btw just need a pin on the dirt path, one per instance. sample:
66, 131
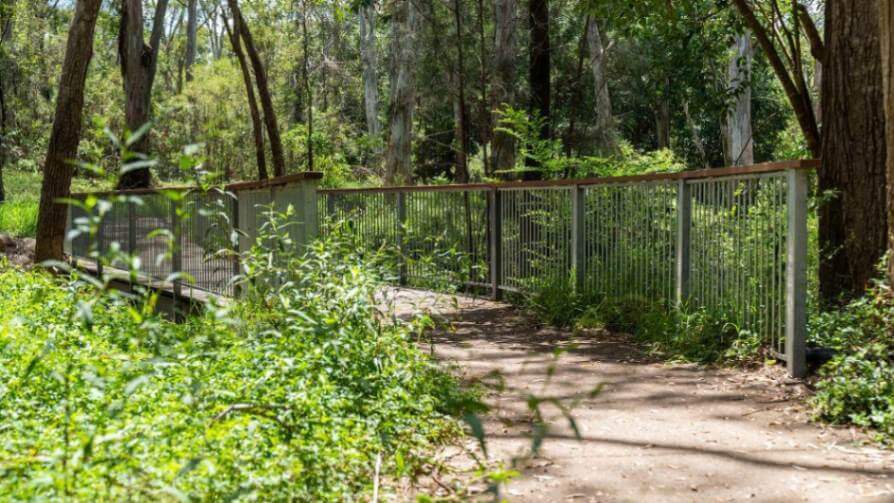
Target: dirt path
656, 432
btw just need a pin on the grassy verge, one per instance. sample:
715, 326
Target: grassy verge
857, 385
297, 392
18, 215
691, 335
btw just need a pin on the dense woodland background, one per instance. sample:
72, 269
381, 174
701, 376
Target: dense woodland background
413, 90
421, 91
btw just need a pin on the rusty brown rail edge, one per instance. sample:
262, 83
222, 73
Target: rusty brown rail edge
768, 167
251, 185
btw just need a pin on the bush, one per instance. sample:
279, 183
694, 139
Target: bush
677, 334
857, 385
291, 393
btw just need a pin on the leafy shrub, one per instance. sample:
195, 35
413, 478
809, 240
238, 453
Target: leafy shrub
677, 334
290, 393
857, 385
19, 218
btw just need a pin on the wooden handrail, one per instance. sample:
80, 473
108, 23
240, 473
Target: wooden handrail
769, 167
235, 186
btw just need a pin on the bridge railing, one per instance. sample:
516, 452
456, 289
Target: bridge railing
732, 240
187, 233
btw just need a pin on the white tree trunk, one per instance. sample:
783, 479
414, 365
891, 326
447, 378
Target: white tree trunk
604, 123
738, 121
399, 156
369, 61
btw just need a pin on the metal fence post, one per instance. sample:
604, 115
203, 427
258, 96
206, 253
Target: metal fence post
330, 205
176, 253
401, 224
100, 233
796, 273
237, 249
131, 228
682, 258
577, 235
496, 243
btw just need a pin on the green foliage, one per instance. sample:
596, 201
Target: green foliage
18, 215
290, 393
681, 334
549, 159
857, 385
18, 218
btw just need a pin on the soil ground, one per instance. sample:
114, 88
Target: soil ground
655, 431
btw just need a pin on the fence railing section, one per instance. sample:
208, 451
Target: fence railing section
192, 234
731, 240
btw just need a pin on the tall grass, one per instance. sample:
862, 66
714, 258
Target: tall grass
18, 214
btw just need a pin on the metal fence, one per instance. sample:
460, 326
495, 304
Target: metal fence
187, 230
732, 240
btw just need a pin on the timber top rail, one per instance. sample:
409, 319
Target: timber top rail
235, 186
769, 167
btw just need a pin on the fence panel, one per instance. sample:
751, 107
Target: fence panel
536, 237
629, 241
720, 240
196, 240
738, 249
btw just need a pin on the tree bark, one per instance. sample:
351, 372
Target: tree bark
192, 26
138, 64
606, 137
256, 126
461, 110
663, 117
503, 85
886, 32
308, 96
540, 65
369, 62
792, 83
6, 16
399, 155
740, 143
65, 136
852, 225
485, 119
279, 163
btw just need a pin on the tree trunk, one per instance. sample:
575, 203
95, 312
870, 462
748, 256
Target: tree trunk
399, 155
63, 147
6, 16
138, 64
279, 163
256, 125
503, 86
696, 136
886, 32
192, 26
577, 90
793, 84
606, 138
740, 143
369, 62
540, 66
308, 96
461, 111
852, 225
484, 116
663, 117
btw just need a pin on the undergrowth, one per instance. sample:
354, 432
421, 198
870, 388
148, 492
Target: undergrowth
679, 334
857, 385
298, 391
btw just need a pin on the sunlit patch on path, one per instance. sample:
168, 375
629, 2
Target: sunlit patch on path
656, 432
